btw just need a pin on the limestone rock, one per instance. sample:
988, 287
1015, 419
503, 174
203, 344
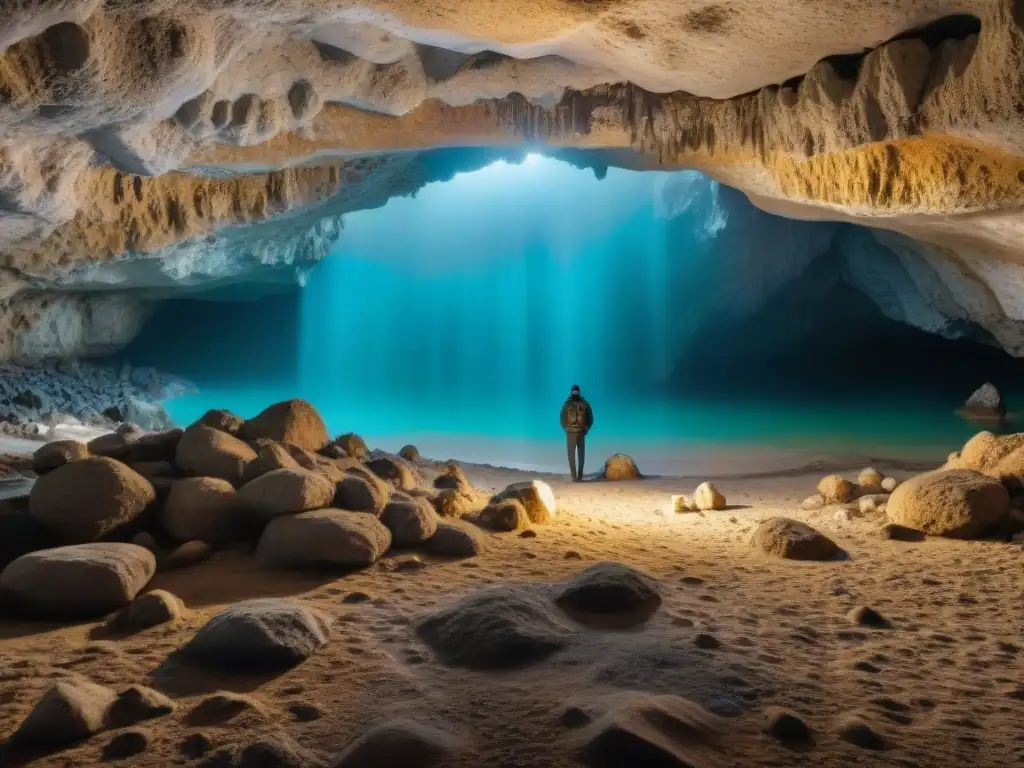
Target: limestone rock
271, 456
498, 628
452, 476
57, 454
455, 539
621, 467
353, 445
707, 497
287, 491
203, 508
536, 497
208, 452
791, 539
149, 610
69, 711
410, 453
291, 421
410, 522
362, 493
505, 515
870, 477
81, 580
459, 503
184, 555
222, 421
83, 500
836, 490
394, 470
400, 743
610, 588
960, 504
986, 404
332, 537
258, 634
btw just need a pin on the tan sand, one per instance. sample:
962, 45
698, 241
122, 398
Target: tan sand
944, 685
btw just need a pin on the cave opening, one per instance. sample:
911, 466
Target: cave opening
700, 327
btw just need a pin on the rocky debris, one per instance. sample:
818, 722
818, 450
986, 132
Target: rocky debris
222, 421
504, 515
270, 456
889, 484
455, 539
813, 502
873, 504
793, 540
136, 704
836, 490
400, 743
452, 476
957, 503
707, 497
865, 616
127, 744
621, 467
853, 729
149, 610
332, 537
81, 580
292, 421
256, 634
536, 497
411, 522
208, 452
287, 491
986, 405
501, 627
786, 727
353, 445
609, 587
68, 712
362, 493
899, 533
411, 454
189, 553
870, 477
202, 508
394, 470
57, 454
643, 729
459, 503
81, 501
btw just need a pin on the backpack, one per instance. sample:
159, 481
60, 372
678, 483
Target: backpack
576, 415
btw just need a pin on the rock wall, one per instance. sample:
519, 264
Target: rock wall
160, 145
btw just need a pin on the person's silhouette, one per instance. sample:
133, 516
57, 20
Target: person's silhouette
577, 418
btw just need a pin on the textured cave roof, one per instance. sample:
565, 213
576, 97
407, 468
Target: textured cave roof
157, 128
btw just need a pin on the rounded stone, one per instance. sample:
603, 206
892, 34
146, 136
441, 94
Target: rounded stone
621, 467
287, 491
291, 421
791, 539
331, 537
836, 490
203, 508
958, 503
411, 522
208, 452
610, 588
57, 454
536, 497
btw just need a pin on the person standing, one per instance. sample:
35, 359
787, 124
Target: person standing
577, 418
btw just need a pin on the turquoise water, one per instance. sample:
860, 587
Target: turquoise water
458, 320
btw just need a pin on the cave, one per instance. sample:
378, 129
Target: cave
568, 385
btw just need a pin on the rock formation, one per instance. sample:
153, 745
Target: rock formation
151, 149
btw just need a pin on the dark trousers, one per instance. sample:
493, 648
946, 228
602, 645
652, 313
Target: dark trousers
576, 442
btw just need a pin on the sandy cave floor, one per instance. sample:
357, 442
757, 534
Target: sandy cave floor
944, 685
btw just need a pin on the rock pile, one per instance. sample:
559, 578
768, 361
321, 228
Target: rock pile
836, 489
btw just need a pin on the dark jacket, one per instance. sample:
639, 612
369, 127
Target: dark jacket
588, 416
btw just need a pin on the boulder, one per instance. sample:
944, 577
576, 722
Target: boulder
505, 515
259, 634
270, 456
353, 445
149, 610
791, 539
286, 491
609, 588
708, 497
222, 421
411, 522
958, 503
410, 453
536, 497
836, 490
986, 404
203, 508
115, 445
331, 537
498, 628
621, 467
78, 581
870, 477
136, 704
362, 493
455, 539
208, 452
394, 470
57, 454
86, 499
999, 457
291, 421
154, 446
452, 476
458, 503
69, 711
400, 743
